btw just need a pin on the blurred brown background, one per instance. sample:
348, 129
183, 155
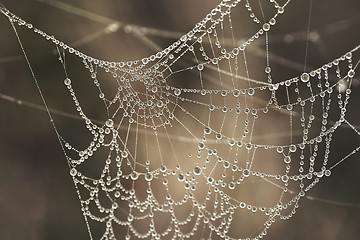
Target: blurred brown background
37, 197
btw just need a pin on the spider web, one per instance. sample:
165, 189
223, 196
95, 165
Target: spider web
165, 164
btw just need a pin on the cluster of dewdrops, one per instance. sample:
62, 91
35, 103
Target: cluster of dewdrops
204, 27
159, 109
226, 206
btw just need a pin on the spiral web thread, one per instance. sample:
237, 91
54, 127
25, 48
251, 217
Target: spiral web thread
169, 165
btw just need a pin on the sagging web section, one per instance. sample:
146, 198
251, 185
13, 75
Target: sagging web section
180, 154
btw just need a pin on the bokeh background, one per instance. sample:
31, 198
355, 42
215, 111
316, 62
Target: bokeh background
37, 197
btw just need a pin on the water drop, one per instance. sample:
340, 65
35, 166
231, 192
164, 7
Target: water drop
109, 123
134, 175
348, 55
266, 27
160, 104
181, 177
248, 146
117, 194
246, 172
242, 205
305, 77
236, 93
285, 178
272, 21
287, 159
73, 172
207, 130
148, 176
67, 81
197, 170
292, 148
177, 92
200, 67
124, 154
351, 73
114, 205
163, 168
251, 91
